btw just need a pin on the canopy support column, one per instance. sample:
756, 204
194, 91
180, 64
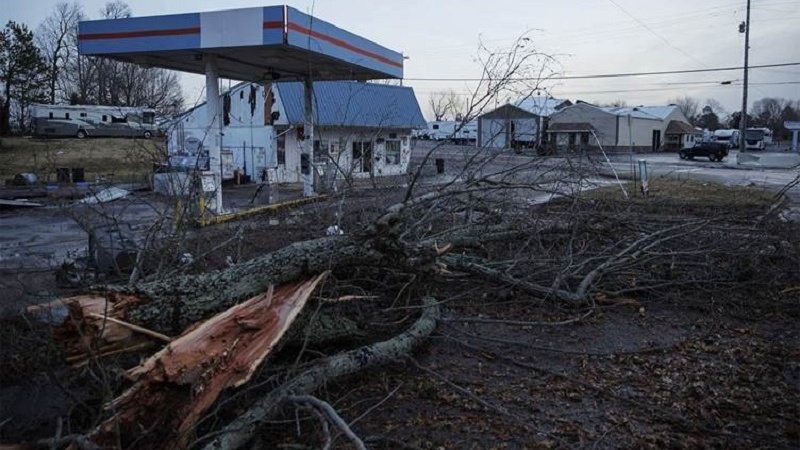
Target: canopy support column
213, 135
307, 155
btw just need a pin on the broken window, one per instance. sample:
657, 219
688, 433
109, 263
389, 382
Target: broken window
392, 152
321, 151
282, 150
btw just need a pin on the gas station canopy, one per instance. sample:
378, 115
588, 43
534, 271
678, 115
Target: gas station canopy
272, 43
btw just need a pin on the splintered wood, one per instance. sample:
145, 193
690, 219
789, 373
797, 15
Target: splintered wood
178, 384
94, 329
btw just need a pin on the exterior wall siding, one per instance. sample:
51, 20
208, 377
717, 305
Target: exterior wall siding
605, 124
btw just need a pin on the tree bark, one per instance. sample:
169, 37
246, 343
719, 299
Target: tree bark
169, 306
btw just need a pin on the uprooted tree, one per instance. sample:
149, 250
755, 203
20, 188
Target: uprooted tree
252, 326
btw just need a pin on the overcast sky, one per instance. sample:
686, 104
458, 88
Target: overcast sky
586, 36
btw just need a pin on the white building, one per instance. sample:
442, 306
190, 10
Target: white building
642, 128
520, 124
363, 128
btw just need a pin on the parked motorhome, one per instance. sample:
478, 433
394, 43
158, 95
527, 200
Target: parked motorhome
755, 139
92, 121
767, 135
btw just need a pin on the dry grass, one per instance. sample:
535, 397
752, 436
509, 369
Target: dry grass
120, 159
687, 197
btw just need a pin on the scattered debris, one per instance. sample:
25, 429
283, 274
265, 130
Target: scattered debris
334, 230
186, 259
18, 204
106, 195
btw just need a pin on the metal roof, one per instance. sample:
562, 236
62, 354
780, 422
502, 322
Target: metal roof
642, 112
354, 104
252, 44
541, 106
508, 112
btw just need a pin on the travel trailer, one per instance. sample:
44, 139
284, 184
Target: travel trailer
83, 121
729, 137
454, 131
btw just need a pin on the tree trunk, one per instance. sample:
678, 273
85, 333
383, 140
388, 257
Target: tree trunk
126, 318
169, 306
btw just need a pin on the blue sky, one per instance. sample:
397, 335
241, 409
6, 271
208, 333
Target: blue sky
586, 36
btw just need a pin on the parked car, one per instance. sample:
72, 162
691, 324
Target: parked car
714, 151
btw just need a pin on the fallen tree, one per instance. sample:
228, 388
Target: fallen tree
187, 376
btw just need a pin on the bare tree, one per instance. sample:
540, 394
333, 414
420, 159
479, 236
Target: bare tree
716, 106
54, 38
437, 102
87, 80
688, 106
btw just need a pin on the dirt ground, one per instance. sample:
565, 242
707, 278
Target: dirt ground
504, 370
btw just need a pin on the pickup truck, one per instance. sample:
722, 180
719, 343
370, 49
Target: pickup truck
714, 151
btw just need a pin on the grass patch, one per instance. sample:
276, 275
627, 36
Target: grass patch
118, 159
676, 198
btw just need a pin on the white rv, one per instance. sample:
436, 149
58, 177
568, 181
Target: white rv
92, 121
728, 137
756, 138
454, 131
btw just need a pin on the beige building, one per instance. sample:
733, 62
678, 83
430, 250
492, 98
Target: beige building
584, 126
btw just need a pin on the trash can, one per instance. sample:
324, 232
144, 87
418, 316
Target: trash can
78, 175
62, 175
439, 165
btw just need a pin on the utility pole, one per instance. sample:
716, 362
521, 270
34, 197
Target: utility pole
743, 117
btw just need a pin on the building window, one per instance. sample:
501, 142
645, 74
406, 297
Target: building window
392, 152
66, 116
362, 156
83, 114
321, 152
105, 118
50, 116
282, 150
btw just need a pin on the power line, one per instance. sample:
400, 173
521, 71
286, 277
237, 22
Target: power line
644, 25
617, 75
650, 89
